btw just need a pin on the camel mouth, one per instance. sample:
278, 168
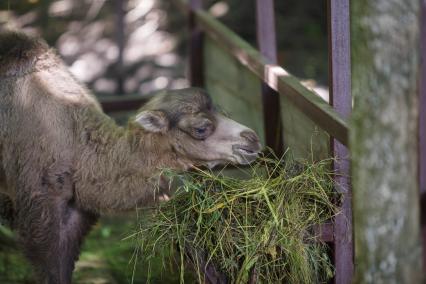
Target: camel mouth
246, 154
245, 151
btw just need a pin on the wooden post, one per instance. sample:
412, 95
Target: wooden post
340, 99
196, 68
384, 148
266, 40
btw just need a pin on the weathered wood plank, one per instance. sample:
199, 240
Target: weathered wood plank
237, 109
303, 137
384, 148
233, 87
222, 68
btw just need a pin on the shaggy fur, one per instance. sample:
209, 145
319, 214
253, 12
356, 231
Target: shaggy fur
63, 161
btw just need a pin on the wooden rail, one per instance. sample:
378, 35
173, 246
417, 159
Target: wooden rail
273, 75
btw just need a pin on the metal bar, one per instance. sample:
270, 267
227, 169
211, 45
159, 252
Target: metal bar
422, 114
183, 6
266, 40
266, 34
340, 99
422, 126
196, 66
325, 232
120, 38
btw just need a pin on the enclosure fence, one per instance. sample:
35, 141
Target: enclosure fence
277, 82
278, 86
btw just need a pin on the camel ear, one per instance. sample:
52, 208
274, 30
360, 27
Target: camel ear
153, 121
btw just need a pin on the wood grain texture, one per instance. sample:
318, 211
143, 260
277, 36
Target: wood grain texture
232, 87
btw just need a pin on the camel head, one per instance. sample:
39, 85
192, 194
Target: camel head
196, 130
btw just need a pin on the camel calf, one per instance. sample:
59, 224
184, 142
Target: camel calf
63, 161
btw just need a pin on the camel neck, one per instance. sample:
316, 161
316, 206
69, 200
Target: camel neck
118, 167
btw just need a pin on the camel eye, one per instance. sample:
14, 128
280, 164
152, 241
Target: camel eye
201, 132
199, 126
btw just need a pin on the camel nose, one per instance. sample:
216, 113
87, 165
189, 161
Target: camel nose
250, 147
253, 142
250, 136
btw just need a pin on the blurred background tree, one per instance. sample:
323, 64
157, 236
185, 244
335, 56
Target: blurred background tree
88, 35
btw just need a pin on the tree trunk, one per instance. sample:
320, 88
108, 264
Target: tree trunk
383, 140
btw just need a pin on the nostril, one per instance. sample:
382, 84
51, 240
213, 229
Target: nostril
250, 135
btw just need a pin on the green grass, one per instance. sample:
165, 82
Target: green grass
262, 224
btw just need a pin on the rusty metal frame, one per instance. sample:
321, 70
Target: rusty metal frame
196, 66
120, 6
422, 127
340, 98
267, 43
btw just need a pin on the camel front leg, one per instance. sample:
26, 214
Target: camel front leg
51, 231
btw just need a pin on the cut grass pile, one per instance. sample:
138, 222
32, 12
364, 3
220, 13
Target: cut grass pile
257, 229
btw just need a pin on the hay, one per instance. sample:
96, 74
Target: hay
259, 227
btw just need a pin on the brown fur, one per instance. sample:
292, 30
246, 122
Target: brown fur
63, 161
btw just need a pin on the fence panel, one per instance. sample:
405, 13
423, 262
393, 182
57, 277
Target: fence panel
233, 87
